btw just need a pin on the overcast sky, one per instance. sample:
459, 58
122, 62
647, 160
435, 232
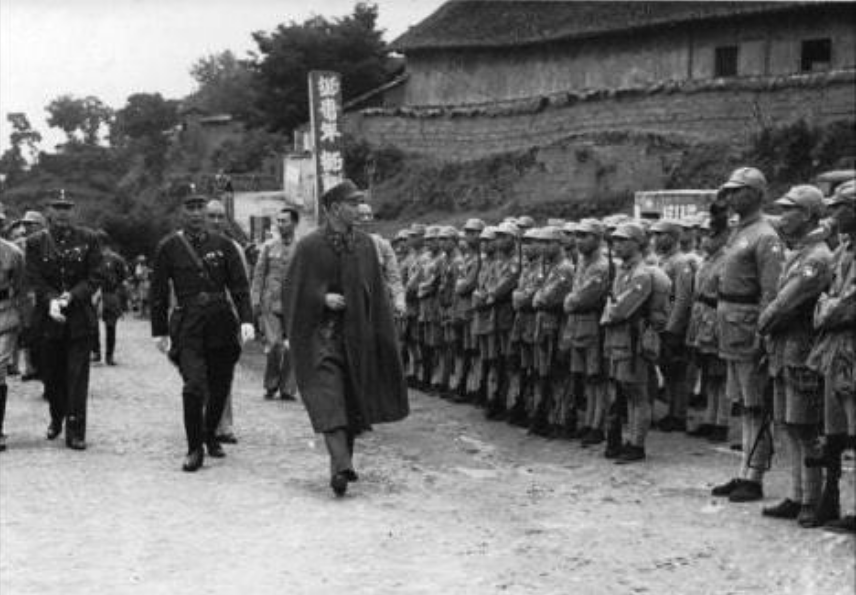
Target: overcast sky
114, 48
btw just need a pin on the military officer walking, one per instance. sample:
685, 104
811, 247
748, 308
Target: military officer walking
63, 264
201, 334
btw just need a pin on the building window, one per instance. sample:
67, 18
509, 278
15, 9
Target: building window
726, 61
816, 55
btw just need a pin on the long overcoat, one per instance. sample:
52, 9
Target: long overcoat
325, 262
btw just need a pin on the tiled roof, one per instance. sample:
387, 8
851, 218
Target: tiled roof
508, 23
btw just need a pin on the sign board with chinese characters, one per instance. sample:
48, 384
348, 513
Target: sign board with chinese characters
672, 204
325, 108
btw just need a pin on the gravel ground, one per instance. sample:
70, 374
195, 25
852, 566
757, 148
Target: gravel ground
446, 503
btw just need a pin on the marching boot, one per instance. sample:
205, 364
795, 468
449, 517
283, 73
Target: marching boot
4, 389
613, 436
193, 460
829, 506
74, 434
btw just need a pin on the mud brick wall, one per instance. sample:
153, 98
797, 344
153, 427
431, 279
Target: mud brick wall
726, 114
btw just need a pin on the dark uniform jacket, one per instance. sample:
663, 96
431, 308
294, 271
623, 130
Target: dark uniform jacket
64, 261
208, 318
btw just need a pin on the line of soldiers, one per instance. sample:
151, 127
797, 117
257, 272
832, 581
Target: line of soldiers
571, 329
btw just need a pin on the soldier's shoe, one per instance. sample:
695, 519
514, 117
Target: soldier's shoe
214, 449
613, 451
110, 360
737, 447
193, 460
284, 395
517, 416
593, 437
270, 394
351, 475
630, 454
807, 518
844, 525
748, 491
718, 434
95, 358
228, 438
54, 430
76, 443
726, 488
701, 431
339, 484
672, 424
786, 509
539, 427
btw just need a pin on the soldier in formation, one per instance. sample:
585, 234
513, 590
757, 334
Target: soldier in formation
571, 329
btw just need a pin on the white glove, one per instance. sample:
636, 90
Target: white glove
162, 343
55, 310
286, 344
248, 332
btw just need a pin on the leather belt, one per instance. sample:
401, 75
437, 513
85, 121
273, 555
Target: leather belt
203, 298
739, 299
707, 300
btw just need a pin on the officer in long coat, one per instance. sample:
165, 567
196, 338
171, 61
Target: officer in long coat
63, 264
339, 323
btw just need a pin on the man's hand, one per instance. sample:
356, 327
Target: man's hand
162, 343
55, 310
334, 301
248, 332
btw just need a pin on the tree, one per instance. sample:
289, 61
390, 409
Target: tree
141, 129
13, 162
226, 85
351, 46
81, 119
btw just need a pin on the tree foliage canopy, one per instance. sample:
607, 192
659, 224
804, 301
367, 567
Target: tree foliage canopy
351, 45
82, 119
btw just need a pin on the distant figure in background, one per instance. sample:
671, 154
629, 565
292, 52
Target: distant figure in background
142, 284
266, 296
28, 339
114, 272
215, 214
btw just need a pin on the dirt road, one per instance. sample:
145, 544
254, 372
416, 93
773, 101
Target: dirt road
447, 503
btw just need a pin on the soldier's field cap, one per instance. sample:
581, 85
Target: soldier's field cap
33, 217
592, 226
555, 222
630, 231
669, 226
60, 199
474, 225
193, 199
525, 222
844, 194
447, 232
432, 231
402, 234
804, 196
508, 228
551, 233
530, 234
746, 177
417, 229
488, 233
570, 227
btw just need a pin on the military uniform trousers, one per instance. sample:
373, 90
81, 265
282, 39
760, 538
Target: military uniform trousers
65, 372
208, 350
278, 374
